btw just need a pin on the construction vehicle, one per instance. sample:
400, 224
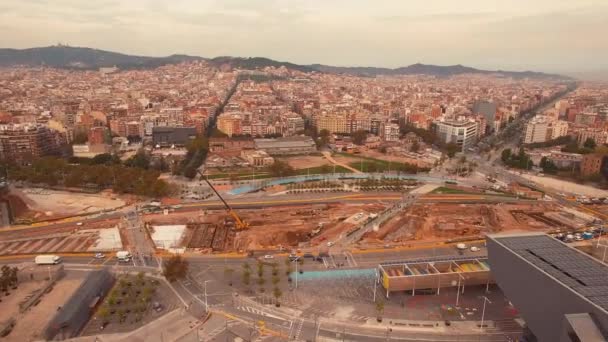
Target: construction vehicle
240, 224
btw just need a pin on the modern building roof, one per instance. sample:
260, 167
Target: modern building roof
574, 269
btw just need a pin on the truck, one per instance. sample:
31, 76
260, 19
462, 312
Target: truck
123, 256
47, 259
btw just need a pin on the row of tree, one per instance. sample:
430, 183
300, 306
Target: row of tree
53, 171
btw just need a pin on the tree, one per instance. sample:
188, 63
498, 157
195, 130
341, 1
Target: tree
323, 137
175, 268
228, 274
359, 137
246, 277
81, 136
451, 149
281, 169
506, 155
14, 279
140, 160
380, 309
103, 313
589, 143
140, 278
415, 147
277, 295
548, 166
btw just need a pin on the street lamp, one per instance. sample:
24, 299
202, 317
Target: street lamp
483, 311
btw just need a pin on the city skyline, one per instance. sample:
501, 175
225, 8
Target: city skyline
487, 35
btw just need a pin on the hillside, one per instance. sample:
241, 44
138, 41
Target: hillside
426, 69
86, 58
83, 58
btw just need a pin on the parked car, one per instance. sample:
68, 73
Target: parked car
475, 249
268, 256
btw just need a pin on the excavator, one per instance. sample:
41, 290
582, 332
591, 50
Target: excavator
240, 224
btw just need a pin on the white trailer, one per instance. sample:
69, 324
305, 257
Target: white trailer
47, 260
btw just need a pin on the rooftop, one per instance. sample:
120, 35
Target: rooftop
574, 269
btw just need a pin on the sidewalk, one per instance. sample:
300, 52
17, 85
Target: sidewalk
170, 327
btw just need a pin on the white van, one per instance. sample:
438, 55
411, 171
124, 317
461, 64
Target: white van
123, 256
47, 260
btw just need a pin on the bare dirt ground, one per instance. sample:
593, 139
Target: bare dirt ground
268, 227
30, 325
444, 221
52, 203
303, 162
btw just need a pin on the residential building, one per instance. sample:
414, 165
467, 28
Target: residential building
486, 109
565, 160
462, 132
542, 128
390, 131
592, 164
230, 123
600, 136
97, 135
25, 142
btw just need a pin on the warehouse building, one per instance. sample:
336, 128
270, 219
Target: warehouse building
168, 136
561, 292
286, 146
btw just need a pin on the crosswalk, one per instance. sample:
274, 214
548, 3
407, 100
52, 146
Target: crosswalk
344, 259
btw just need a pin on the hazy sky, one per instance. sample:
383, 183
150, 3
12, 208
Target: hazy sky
546, 35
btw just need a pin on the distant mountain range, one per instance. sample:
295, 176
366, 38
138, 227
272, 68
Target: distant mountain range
62, 56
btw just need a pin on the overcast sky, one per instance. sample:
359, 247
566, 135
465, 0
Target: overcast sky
544, 35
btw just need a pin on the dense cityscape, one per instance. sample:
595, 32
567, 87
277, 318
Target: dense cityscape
187, 198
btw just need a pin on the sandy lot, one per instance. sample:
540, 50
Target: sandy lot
30, 325
53, 202
302, 162
569, 187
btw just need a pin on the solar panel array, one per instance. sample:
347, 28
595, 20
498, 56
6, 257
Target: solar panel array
576, 270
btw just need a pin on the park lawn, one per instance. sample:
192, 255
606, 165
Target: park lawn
362, 163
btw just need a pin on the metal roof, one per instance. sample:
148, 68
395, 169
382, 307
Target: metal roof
581, 273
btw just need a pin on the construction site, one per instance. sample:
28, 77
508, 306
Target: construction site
268, 228
452, 221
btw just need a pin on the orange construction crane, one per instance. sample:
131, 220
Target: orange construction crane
240, 224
